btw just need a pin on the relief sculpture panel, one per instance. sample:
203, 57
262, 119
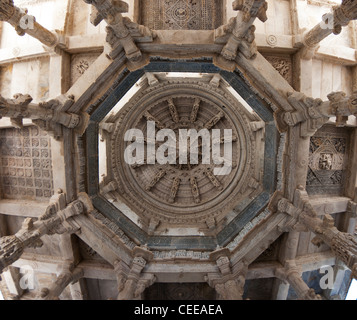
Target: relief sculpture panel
328, 161
181, 14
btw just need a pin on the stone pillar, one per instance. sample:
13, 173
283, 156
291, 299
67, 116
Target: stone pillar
352, 217
331, 23
292, 274
51, 222
63, 280
131, 283
24, 23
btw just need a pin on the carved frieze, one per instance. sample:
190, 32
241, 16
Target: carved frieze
181, 14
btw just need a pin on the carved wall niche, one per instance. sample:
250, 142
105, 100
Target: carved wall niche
182, 14
26, 164
283, 64
328, 161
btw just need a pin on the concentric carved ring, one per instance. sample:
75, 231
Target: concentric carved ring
190, 192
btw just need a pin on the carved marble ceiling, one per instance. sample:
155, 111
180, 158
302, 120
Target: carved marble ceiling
181, 65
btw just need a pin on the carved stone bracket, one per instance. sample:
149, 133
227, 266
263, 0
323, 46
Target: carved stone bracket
228, 282
51, 222
24, 23
48, 115
240, 31
120, 30
312, 114
131, 282
344, 245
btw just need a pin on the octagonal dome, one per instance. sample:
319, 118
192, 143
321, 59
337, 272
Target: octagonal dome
159, 204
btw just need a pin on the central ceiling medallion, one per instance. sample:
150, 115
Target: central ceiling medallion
191, 192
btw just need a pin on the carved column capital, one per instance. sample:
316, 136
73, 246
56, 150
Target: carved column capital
132, 283
228, 283
119, 29
241, 32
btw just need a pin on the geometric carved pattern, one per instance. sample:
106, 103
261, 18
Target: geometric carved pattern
181, 14
26, 164
283, 64
327, 161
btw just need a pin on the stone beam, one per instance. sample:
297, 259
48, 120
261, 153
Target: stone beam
46, 115
312, 114
26, 24
331, 23
303, 215
53, 221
